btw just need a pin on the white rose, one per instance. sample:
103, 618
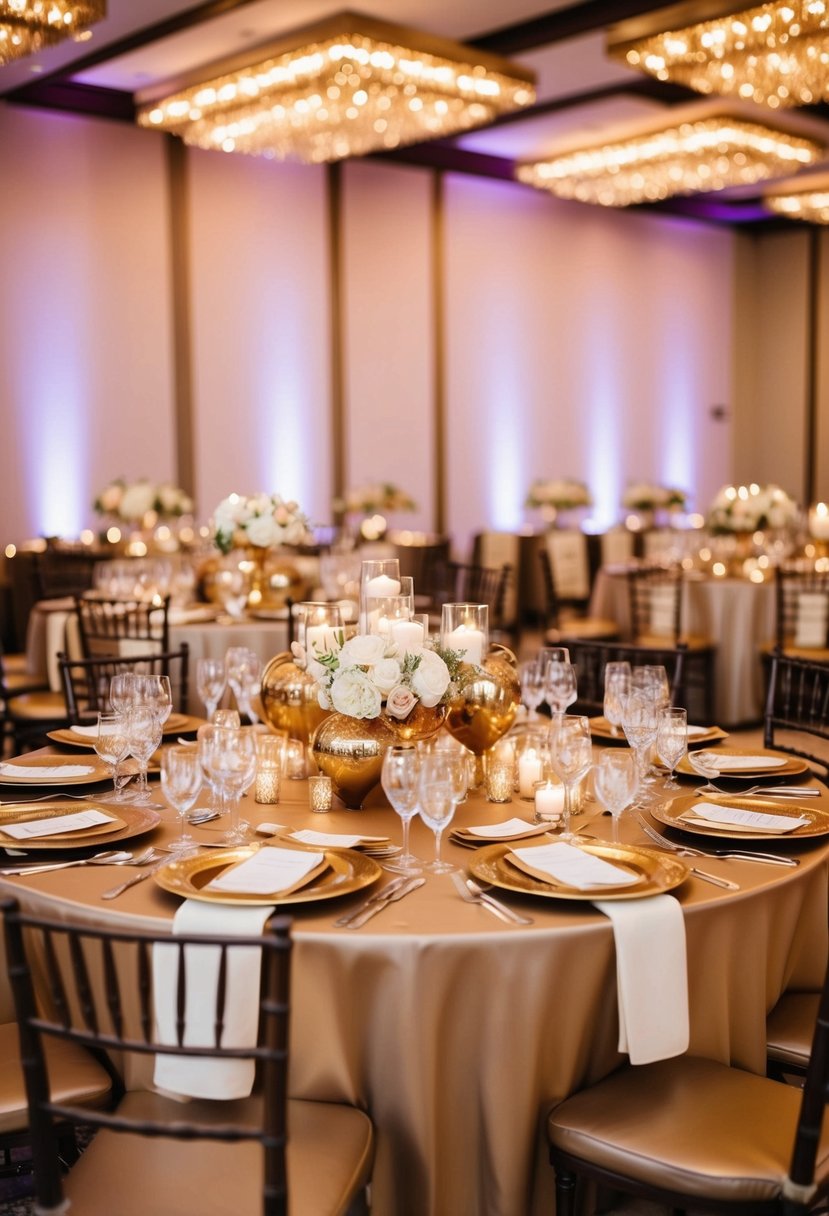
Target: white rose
353, 693
430, 679
225, 515
260, 504
363, 650
137, 500
111, 498
262, 531
386, 674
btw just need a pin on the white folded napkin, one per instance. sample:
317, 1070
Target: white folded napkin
334, 840
717, 816
86, 732
198, 1077
46, 770
651, 976
572, 866
29, 829
726, 764
694, 732
503, 831
268, 872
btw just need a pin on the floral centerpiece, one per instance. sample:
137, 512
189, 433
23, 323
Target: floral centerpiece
753, 508
562, 494
646, 497
134, 501
366, 500
263, 520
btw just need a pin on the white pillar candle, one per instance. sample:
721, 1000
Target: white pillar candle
819, 521
382, 586
530, 770
319, 639
549, 801
469, 641
407, 636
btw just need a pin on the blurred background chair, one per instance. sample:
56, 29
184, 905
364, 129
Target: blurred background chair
590, 659
85, 682
562, 621
797, 711
118, 626
450, 582
802, 612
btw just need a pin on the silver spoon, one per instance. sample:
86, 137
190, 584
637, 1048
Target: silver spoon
110, 858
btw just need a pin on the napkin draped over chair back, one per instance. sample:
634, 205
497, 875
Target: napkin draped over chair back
99, 995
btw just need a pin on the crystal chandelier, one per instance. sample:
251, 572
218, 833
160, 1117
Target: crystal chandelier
704, 155
776, 54
343, 87
27, 26
810, 205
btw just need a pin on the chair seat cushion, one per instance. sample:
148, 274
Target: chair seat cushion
38, 706
687, 1125
595, 627
791, 1026
75, 1076
329, 1158
18, 682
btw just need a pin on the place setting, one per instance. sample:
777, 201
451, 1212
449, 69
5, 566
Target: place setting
743, 817
57, 825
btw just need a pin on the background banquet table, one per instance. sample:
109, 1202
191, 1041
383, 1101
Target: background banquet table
737, 614
457, 1032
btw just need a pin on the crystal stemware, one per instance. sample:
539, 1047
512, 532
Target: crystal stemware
560, 686
228, 756
181, 780
437, 802
112, 745
399, 778
616, 779
671, 740
616, 688
571, 755
211, 682
144, 733
243, 673
531, 675
639, 721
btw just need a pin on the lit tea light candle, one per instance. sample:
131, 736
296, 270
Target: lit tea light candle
320, 793
819, 521
549, 801
469, 641
530, 770
319, 639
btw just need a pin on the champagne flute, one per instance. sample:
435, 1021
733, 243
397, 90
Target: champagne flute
436, 802
112, 745
399, 778
671, 740
181, 780
616, 688
144, 730
211, 682
616, 779
571, 755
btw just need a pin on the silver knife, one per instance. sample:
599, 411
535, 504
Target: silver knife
114, 892
716, 880
384, 898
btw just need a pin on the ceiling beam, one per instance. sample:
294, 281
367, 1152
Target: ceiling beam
561, 23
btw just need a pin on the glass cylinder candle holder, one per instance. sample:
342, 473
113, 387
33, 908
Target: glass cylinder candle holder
531, 761
379, 579
270, 756
318, 627
499, 772
548, 796
388, 611
465, 628
320, 793
296, 761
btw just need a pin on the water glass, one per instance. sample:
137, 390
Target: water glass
437, 802
531, 674
112, 745
616, 779
571, 755
560, 686
244, 670
181, 781
640, 715
122, 691
399, 778
616, 688
671, 740
144, 733
211, 682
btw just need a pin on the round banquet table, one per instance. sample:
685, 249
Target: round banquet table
737, 614
457, 1032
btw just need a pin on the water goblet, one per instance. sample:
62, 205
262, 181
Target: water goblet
181, 780
228, 756
243, 673
211, 682
671, 740
652, 677
639, 722
616, 779
616, 687
531, 674
571, 755
437, 802
226, 717
122, 691
144, 731
112, 745
560, 686
155, 691
399, 778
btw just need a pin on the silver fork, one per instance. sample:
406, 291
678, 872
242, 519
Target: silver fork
685, 850
469, 890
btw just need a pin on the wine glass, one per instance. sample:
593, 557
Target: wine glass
560, 686
211, 682
616, 688
122, 691
399, 778
639, 722
181, 780
144, 730
155, 691
571, 755
671, 740
228, 756
616, 780
112, 745
243, 672
653, 677
437, 802
531, 674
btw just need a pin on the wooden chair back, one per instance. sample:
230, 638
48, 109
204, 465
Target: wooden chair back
120, 627
85, 682
590, 659
94, 1002
468, 583
655, 599
797, 710
802, 609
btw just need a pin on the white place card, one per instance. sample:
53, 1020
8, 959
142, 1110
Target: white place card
46, 770
500, 831
737, 817
76, 822
567, 864
268, 872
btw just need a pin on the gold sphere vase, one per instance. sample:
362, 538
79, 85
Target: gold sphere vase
486, 703
350, 751
289, 698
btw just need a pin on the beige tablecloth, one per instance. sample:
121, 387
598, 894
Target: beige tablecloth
457, 1032
735, 613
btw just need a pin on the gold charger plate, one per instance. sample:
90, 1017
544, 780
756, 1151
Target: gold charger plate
176, 724
670, 814
134, 821
657, 872
600, 729
100, 771
791, 768
347, 871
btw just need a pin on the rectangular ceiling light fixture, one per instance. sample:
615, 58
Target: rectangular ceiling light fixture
776, 54
27, 26
709, 154
811, 205
343, 87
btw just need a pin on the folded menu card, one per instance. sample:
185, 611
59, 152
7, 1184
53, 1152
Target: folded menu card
56, 825
730, 817
567, 865
727, 764
197, 1077
509, 829
46, 770
270, 871
333, 840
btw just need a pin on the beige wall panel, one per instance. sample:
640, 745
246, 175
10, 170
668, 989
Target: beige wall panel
85, 328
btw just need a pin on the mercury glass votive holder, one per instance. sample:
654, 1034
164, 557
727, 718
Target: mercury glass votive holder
320, 793
499, 781
266, 789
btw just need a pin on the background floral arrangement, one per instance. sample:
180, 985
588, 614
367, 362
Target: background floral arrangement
364, 676
133, 500
263, 520
751, 508
563, 494
645, 497
365, 500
